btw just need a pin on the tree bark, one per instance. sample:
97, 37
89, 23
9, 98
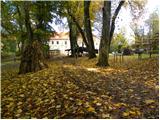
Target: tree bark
32, 59
104, 43
87, 25
73, 36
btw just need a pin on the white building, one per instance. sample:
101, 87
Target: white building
61, 42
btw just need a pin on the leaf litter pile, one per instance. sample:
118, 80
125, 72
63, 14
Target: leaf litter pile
72, 88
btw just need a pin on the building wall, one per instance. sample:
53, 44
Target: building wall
96, 42
61, 45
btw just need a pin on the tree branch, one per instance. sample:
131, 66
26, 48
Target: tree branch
79, 28
114, 18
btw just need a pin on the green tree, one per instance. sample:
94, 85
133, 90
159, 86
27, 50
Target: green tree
153, 24
118, 39
29, 19
153, 33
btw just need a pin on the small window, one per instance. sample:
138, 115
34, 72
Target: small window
57, 42
52, 42
65, 42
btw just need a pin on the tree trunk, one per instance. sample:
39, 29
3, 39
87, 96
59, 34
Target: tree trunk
79, 29
73, 36
87, 25
104, 43
32, 57
21, 39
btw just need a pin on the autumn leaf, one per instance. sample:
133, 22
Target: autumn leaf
125, 114
73, 91
149, 101
91, 109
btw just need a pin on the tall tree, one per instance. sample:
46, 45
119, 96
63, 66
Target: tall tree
74, 10
29, 19
109, 27
104, 43
107, 32
153, 23
32, 57
88, 31
153, 33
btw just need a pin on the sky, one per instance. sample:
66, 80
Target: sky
125, 21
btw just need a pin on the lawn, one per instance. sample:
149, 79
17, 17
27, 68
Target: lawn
76, 88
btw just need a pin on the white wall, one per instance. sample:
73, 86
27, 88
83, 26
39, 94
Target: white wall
96, 42
61, 45
65, 44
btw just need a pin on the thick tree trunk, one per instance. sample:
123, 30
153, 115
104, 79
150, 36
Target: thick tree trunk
104, 43
87, 25
32, 57
73, 36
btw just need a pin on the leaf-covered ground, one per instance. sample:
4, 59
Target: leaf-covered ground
72, 88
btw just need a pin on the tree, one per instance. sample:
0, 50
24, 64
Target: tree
153, 23
73, 34
31, 60
88, 30
104, 43
11, 26
107, 32
75, 11
138, 33
28, 17
118, 38
71, 11
153, 33
38, 33
109, 27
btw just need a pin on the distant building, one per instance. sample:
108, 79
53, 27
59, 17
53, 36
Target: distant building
61, 42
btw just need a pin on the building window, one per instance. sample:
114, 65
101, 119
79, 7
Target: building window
57, 42
52, 42
65, 42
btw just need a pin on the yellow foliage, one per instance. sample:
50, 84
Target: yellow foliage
91, 109
149, 101
125, 114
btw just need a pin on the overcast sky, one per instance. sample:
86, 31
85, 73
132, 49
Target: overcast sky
125, 21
